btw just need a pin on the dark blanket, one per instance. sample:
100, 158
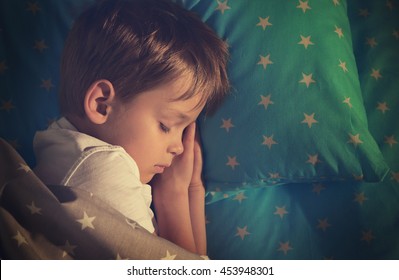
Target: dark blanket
58, 222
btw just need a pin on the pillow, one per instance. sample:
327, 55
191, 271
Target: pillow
293, 115
30, 53
295, 112
376, 50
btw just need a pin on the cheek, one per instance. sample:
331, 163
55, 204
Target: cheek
142, 142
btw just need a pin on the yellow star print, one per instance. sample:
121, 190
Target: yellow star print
265, 101
24, 167
86, 221
242, 232
317, 188
222, 6
371, 42
390, 140
355, 139
375, 73
264, 61
285, 247
358, 177
395, 176
305, 41
119, 257
342, 64
281, 211
20, 239
34, 209
367, 236
131, 223
307, 79
40, 46
336, 2
313, 159
68, 249
275, 175
339, 32
47, 84
168, 256
309, 119
268, 141
382, 106
227, 124
304, 6
360, 198
347, 100
264, 22
323, 224
240, 197
232, 162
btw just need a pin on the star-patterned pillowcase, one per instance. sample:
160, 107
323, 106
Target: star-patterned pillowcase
377, 54
295, 112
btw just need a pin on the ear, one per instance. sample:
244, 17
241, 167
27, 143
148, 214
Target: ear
99, 100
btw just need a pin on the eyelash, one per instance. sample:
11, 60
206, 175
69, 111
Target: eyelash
164, 128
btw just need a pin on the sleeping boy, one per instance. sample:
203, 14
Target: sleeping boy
135, 75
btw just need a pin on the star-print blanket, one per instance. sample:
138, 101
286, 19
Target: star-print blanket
56, 222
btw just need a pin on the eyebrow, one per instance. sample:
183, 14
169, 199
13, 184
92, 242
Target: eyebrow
183, 117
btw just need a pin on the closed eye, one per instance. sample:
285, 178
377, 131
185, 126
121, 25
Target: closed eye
164, 128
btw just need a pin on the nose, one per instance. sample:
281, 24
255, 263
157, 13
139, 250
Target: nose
176, 147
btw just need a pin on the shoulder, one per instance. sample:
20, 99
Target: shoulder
63, 152
102, 162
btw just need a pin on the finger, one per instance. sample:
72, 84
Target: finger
189, 136
197, 135
197, 153
197, 168
197, 147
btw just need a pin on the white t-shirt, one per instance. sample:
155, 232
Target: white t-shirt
68, 157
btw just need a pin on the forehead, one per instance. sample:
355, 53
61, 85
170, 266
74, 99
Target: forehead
176, 95
168, 99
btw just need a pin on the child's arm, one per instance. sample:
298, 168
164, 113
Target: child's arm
179, 199
197, 200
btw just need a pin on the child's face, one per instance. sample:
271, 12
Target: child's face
150, 127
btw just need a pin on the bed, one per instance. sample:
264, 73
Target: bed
301, 160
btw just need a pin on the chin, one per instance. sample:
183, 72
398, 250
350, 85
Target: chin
146, 179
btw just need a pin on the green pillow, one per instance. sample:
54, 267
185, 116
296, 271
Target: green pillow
377, 53
258, 32
295, 112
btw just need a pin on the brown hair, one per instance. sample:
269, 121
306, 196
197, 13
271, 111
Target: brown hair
137, 45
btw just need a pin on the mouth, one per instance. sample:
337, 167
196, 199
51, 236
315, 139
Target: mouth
160, 168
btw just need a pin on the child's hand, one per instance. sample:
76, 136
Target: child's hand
179, 197
196, 178
186, 168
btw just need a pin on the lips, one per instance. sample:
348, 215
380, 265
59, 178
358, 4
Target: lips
159, 168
